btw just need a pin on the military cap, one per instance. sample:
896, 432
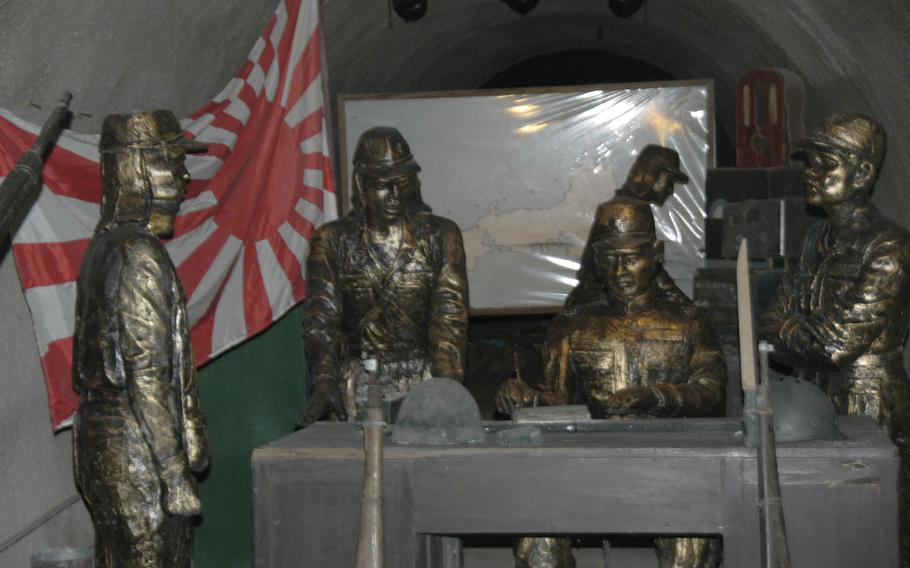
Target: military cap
849, 132
383, 151
145, 130
623, 222
658, 159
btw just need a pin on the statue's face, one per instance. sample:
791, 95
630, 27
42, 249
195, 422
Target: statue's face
385, 196
168, 178
628, 272
835, 177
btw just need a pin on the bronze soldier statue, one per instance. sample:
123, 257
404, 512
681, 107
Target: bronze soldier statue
386, 281
651, 178
841, 315
139, 431
640, 352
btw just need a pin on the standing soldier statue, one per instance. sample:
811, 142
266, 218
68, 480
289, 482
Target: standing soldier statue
387, 281
139, 431
841, 314
640, 352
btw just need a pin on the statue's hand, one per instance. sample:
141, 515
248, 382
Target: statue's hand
798, 335
633, 400
197, 447
180, 497
326, 399
512, 394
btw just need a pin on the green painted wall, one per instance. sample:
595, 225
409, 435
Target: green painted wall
251, 396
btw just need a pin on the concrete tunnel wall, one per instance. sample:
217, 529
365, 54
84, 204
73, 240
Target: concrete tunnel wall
118, 56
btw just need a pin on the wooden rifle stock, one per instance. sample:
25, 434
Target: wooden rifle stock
21, 188
759, 419
369, 540
775, 552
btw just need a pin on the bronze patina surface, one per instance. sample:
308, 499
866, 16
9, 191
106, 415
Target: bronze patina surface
139, 431
640, 352
841, 314
651, 178
388, 280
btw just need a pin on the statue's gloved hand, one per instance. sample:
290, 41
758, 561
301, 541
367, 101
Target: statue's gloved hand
180, 495
798, 335
326, 399
514, 393
633, 400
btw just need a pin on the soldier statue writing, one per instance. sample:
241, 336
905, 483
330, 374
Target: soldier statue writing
139, 432
386, 281
640, 352
841, 314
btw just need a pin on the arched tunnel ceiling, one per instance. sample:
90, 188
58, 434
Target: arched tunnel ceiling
850, 55
117, 56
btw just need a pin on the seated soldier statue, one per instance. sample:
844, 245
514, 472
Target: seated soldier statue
651, 178
387, 281
640, 352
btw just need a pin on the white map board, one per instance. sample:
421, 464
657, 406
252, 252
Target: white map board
522, 175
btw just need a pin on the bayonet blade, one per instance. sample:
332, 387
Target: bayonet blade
746, 325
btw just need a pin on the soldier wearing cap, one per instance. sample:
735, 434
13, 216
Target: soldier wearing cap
841, 314
386, 281
139, 432
638, 352
651, 178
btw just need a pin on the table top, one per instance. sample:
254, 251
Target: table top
709, 438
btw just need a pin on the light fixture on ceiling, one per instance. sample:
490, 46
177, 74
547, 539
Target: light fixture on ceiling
521, 6
410, 10
625, 8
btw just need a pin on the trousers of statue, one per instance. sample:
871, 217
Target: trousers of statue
118, 480
556, 552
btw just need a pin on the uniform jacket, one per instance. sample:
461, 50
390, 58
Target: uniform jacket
414, 307
852, 292
654, 341
132, 347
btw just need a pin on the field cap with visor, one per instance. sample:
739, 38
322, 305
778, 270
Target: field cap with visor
846, 132
623, 223
655, 160
145, 130
382, 151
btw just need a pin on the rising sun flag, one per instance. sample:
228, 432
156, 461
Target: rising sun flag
242, 234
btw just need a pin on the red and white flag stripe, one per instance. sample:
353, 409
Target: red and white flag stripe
242, 234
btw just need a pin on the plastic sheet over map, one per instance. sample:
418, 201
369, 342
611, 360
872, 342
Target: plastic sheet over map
522, 175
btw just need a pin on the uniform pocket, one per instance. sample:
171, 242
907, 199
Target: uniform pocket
663, 356
596, 372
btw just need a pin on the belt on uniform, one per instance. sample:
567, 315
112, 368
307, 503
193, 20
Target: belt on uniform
104, 397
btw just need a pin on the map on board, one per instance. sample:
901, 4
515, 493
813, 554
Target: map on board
522, 176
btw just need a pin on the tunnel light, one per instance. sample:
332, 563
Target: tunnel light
521, 6
625, 8
410, 10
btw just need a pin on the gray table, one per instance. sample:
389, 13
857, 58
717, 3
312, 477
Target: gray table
695, 478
